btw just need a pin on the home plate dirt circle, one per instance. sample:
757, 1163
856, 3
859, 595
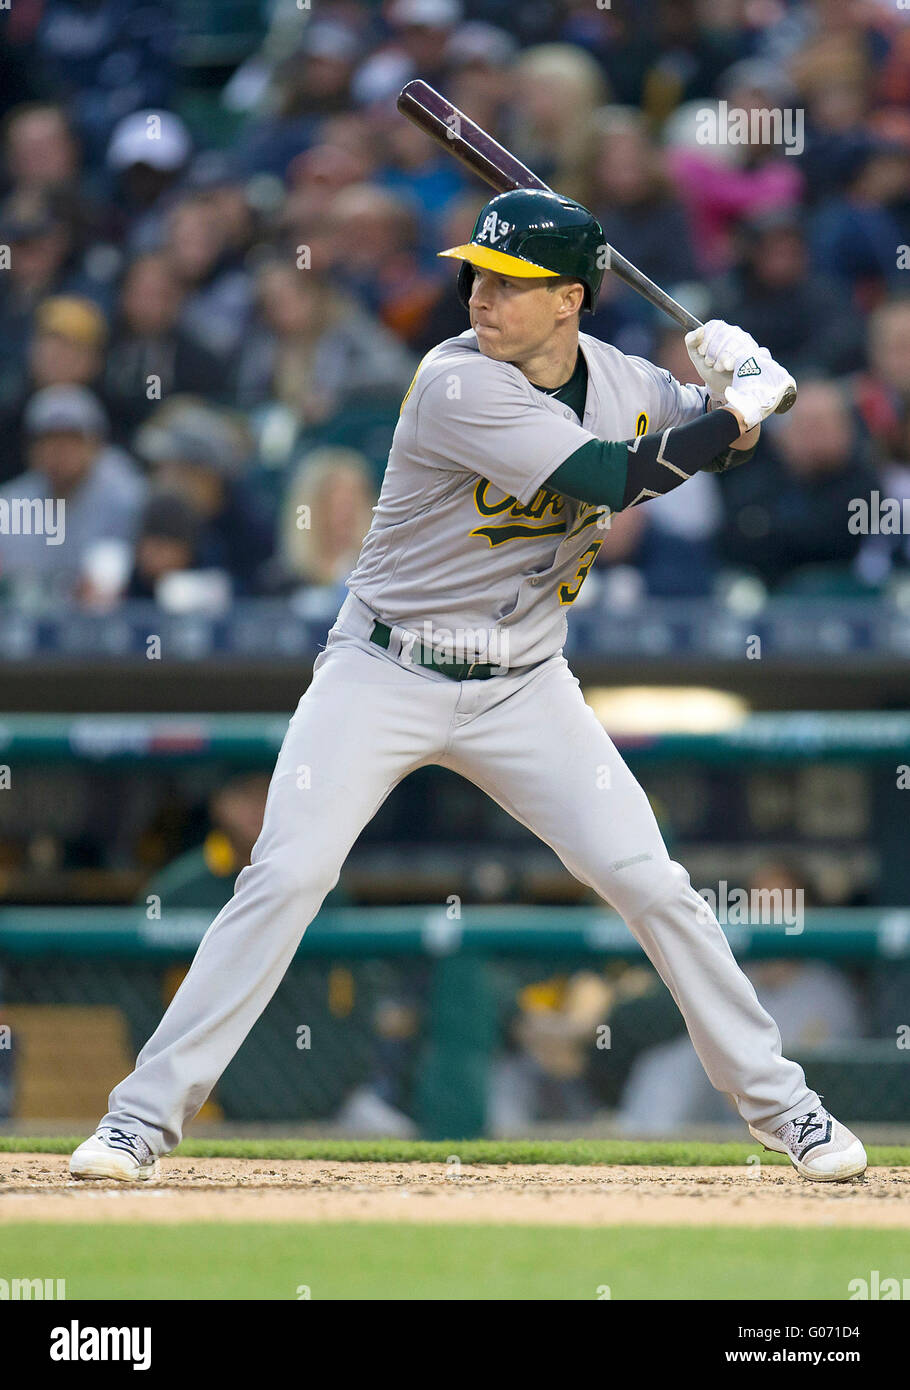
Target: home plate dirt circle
37, 1187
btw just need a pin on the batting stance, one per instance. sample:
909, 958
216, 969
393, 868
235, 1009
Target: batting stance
516, 441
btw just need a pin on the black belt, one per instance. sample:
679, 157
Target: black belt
456, 671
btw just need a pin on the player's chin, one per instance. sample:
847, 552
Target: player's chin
489, 341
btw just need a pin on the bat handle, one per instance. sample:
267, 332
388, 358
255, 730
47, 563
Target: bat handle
689, 321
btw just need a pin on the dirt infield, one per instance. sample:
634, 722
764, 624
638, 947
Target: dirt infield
37, 1187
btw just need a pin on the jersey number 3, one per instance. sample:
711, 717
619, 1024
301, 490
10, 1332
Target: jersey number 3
568, 593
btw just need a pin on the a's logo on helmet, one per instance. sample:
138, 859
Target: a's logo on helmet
493, 228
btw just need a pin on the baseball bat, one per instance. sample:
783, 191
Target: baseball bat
483, 155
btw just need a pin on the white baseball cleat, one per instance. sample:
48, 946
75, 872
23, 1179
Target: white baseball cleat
117, 1154
818, 1146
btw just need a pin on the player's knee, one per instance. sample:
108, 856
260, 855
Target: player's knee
664, 881
290, 878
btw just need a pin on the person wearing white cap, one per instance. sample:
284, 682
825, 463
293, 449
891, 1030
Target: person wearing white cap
147, 155
158, 139
421, 30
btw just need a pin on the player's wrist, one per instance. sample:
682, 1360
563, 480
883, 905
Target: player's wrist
744, 426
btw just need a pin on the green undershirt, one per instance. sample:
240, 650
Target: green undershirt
607, 463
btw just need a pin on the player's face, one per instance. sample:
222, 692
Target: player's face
512, 317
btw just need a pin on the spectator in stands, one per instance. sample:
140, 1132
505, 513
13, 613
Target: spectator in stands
314, 349
688, 54
40, 151
376, 258
326, 513
882, 398
104, 59
43, 261
788, 515
834, 81
421, 30
662, 552
447, 316
557, 87
168, 542
151, 356
882, 394
217, 293
420, 175
83, 491
345, 155
722, 182
66, 349
200, 452
856, 235
478, 61
147, 156
796, 312
308, 85
631, 193
214, 179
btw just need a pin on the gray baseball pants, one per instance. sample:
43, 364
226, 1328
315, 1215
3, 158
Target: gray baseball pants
528, 739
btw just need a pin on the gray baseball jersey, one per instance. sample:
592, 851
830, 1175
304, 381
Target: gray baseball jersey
465, 536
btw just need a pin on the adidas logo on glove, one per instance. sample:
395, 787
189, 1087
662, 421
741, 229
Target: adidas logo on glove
749, 368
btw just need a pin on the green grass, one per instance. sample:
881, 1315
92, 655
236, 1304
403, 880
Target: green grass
578, 1151
415, 1261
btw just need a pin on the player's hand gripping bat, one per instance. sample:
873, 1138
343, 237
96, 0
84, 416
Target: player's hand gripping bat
464, 139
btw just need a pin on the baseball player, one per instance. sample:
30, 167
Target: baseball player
516, 442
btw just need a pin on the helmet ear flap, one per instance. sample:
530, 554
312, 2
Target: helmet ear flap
465, 282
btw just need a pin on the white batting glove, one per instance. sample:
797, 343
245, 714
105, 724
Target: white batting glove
713, 349
759, 386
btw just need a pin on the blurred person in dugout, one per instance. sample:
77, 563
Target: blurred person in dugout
542, 1074
7, 1063
203, 877
813, 1003
326, 510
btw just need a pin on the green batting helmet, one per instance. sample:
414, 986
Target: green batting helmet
531, 232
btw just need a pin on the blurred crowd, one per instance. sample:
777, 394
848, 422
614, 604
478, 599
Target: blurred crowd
215, 289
